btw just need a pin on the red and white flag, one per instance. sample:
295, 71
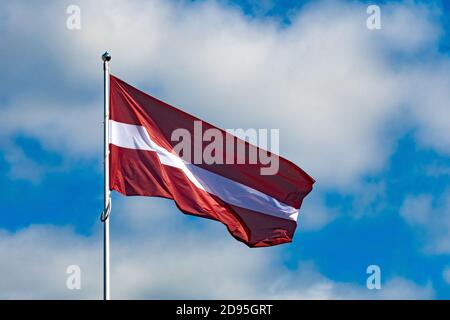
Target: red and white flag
259, 210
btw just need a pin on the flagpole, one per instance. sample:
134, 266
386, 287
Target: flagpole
106, 57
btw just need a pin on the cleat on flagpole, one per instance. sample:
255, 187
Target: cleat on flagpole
106, 212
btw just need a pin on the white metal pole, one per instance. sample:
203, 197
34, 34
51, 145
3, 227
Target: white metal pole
106, 57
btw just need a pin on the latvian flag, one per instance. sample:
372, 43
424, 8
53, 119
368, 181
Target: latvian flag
259, 210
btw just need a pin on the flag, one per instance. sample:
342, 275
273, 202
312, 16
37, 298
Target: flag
145, 134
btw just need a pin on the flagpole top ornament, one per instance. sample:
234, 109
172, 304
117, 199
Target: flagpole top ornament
106, 56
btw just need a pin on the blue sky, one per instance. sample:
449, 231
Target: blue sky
365, 112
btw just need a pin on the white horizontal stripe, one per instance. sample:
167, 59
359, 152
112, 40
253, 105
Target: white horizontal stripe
232, 192
136, 137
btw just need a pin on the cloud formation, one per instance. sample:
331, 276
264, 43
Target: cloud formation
333, 86
430, 217
446, 274
152, 258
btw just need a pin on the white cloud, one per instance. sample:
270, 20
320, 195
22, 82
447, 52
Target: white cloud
307, 283
430, 102
154, 256
22, 167
326, 80
446, 274
72, 130
314, 213
34, 262
431, 218
437, 170
417, 210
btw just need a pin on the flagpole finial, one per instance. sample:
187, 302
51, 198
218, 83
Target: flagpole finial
106, 56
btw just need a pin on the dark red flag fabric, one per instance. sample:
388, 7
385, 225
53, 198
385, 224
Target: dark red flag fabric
211, 177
